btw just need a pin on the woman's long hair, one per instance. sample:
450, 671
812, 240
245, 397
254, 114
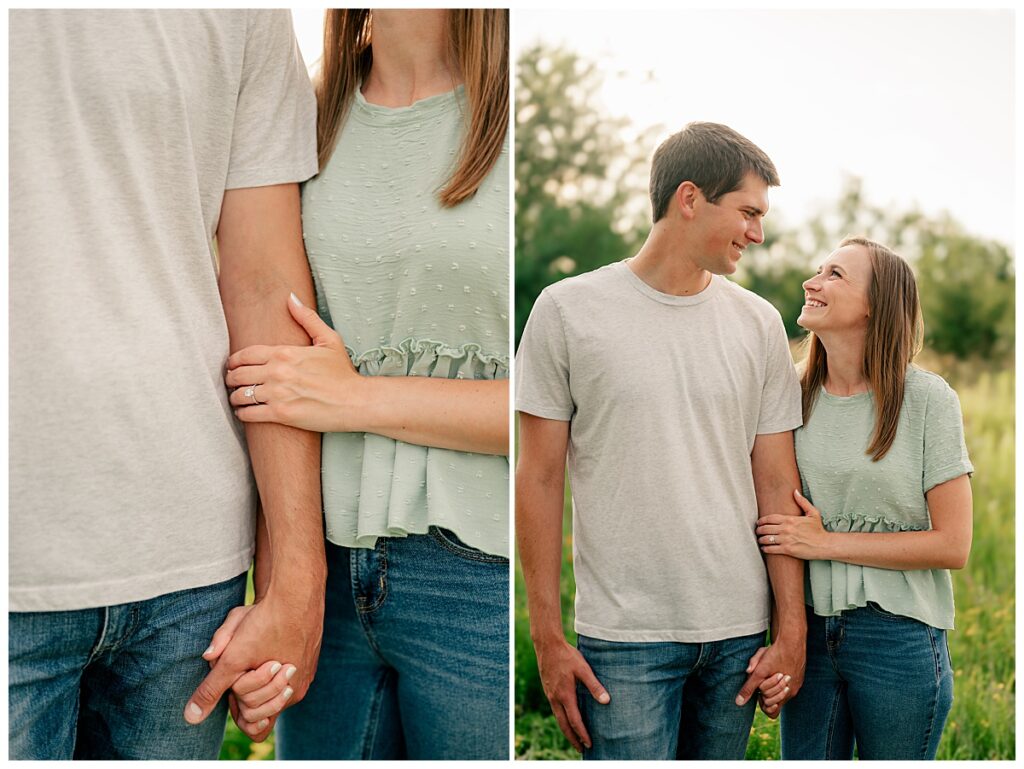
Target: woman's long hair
893, 339
477, 48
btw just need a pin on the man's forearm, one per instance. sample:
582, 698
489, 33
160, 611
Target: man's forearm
262, 262
539, 536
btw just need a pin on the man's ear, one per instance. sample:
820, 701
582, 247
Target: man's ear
685, 199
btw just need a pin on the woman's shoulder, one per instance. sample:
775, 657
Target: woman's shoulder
927, 387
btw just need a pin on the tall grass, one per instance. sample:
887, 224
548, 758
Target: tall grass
981, 723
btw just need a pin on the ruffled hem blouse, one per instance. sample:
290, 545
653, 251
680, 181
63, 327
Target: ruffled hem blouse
855, 494
414, 289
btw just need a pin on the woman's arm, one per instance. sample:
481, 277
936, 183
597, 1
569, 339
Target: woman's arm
945, 546
317, 388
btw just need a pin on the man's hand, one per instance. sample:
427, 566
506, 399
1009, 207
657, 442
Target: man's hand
560, 666
788, 659
268, 630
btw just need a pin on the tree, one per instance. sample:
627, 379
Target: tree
575, 176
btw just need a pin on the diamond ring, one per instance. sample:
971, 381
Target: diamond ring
250, 392
773, 540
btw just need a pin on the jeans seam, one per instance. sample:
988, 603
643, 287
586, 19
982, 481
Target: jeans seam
370, 737
935, 693
832, 718
361, 607
97, 648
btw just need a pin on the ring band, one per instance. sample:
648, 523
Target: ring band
250, 392
773, 536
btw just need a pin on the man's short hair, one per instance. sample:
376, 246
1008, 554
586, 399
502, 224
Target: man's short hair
712, 156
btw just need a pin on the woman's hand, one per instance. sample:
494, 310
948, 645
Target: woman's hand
313, 388
801, 536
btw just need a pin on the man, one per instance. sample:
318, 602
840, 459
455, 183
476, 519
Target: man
135, 138
674, 393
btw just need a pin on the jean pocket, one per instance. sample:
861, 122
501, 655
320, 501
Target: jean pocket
450, 541
874, 608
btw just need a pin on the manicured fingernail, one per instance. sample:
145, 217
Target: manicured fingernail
194, 713
287, 693
739, 700
604, 699
209, 650
786, 689
289, 672
788, 679
274, 668
296, 301
778, 676
262, 724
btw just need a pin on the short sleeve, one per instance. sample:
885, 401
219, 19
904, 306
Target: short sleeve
945, 452
542, 364
780, 395
274, 136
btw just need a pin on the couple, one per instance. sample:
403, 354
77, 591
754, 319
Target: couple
674, 394
134, 512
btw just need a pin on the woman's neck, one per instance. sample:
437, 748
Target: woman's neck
845, 354
410, 57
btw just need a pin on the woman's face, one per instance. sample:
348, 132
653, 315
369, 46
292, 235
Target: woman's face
836, 299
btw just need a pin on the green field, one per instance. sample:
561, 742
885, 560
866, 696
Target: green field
981, 723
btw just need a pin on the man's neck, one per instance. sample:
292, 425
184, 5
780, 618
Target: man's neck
662, 263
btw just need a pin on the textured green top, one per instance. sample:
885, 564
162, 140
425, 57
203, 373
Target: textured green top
414, 289
855, 494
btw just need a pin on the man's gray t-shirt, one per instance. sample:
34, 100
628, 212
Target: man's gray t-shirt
665, 395
128, 471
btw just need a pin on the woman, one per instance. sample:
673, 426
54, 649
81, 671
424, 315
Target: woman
406, 230
882, 457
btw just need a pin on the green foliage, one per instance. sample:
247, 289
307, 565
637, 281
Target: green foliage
575, 175
981, 723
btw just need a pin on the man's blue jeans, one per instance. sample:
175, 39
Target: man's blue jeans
113, 682
874, 678
414, 660
668, 700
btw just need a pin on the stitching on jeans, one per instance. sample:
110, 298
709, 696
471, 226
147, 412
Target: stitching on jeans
98, 646
935, 693
370, 737
383, 586
464, 552
833, 717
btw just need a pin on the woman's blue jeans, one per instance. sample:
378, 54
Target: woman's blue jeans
414, 661
873, 678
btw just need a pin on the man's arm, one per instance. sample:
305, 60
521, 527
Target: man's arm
540, 494
773, 462
262, 260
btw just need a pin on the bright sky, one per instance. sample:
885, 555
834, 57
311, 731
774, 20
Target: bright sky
918, 103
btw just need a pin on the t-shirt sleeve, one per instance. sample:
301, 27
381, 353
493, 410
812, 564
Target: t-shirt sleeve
945, 452
780, 395
542, 364
274, 136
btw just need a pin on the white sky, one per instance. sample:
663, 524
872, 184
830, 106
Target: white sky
918, 103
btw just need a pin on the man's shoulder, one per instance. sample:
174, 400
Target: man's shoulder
586, 285
746, 301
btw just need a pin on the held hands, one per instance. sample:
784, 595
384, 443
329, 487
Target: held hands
313, 388
800, 536
774, 688
560, 665
243, 656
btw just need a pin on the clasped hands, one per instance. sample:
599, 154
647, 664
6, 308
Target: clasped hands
260, 688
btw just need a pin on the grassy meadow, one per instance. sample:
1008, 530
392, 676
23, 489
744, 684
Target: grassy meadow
981, 723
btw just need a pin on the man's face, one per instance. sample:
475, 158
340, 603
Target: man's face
726, 227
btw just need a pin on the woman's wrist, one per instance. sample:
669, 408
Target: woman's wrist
356, 404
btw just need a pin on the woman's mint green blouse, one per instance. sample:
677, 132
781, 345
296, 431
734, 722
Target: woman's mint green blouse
855, 494
414, 289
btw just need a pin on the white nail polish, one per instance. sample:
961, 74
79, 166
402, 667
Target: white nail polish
262, 724
289, 673
274, 668
296, 301
194, 709
209, 650
287, 693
